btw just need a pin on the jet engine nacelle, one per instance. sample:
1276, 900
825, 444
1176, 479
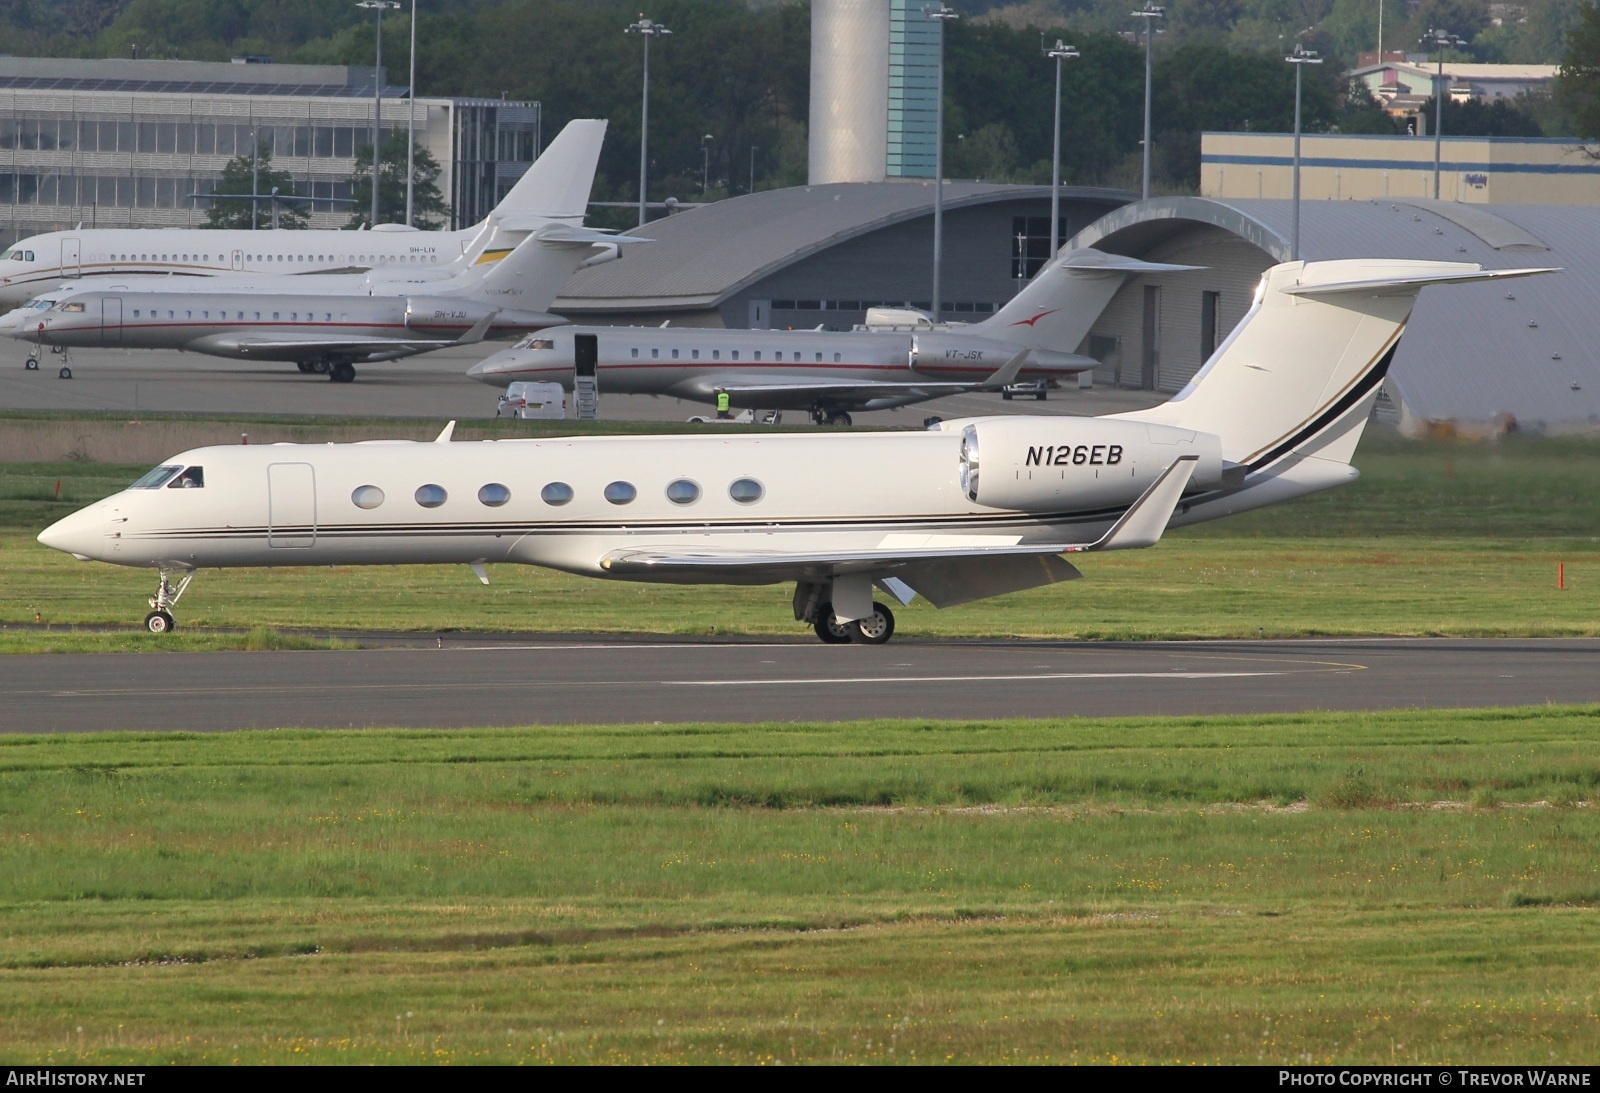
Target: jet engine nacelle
1035, 464
431, 314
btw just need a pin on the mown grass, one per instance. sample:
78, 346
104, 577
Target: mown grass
1346, 888
1436, 538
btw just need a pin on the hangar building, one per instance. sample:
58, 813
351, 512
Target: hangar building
813, 256
1471, 354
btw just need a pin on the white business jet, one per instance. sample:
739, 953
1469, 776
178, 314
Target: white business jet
832, 373
977, 508
555, 189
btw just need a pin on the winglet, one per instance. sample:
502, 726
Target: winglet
446, 433
479, 330
1007, 372
1146, 518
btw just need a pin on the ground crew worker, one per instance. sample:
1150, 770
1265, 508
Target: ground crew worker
723, 404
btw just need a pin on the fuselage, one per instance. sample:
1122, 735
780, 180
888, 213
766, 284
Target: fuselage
262, 326
41, 263
567, 503
767, 369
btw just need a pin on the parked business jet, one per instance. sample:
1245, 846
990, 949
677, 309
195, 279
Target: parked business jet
326, 326
977, 508
831, 373
555, 189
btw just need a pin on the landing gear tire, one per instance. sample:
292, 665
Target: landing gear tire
65, 373
875, 629
319, 367
1006, 395
840, 418
341, 372
1040, 396
305, 366
159, 622
828, 629
31, 364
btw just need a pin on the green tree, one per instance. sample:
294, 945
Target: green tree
238, 177
428, 208
1578, 82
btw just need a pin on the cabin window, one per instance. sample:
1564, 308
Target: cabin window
620, 493
674, 354
683, 492
431, 496
367, 497
746, 491
654, 353
733, 354
192, 478
494, 495
556, 493
170, 315
716, 354
819, 357
756, 355
274, 316
836, 358
135, 313
635, 354
694, 354
156, 478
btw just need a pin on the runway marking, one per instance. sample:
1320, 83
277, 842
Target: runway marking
1173, 674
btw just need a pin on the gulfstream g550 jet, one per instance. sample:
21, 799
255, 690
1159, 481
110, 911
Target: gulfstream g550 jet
977, 508
831, 373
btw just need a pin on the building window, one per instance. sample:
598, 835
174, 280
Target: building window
1210, 316
1030, 246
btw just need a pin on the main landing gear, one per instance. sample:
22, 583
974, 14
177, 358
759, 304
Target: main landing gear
823, 415
813, 604
160, 620
337, 371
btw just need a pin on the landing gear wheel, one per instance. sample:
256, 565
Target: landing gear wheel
31, 364
839, 417
305, 366
1040, 396
341, 372
829, 630
319, 367
875, 629
65, 373
1006, 395
159, 622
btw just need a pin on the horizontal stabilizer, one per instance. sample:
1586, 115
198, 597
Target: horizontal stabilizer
479, 330
573, 234
1007, 372
1407, 282
1089, 260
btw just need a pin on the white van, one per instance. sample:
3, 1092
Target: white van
533, 400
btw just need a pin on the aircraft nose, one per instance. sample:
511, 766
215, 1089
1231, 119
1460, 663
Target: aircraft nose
78, 535
487, 371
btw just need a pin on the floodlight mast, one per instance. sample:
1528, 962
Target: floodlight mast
940, 15
1060, 53
1299, 58
1149, 13
378, 6
411, 116
1439, 39
646, 30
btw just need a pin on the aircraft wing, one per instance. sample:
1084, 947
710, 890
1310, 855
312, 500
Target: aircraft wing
928, 388
946, 569
289, 347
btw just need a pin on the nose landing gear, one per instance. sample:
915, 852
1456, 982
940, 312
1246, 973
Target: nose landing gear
160, 620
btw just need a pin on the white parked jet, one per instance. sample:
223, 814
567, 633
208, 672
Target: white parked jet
977, 508
555, 189
321, 322
831, 373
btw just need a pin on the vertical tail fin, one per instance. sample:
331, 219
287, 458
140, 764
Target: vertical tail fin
557, 185
1056, 309
1299, 374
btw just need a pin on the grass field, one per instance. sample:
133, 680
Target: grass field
1436, 538
1329, 888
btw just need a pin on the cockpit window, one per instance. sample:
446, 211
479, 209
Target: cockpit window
156, 478
72, 308
192, 478
534, 342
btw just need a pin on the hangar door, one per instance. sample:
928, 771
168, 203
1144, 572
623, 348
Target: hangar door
291, 505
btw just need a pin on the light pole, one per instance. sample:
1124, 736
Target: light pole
411, 113
752, 168
705, 164
942, 15
646, 30
1058, 54
1299, 58
379, 6
1149, 13
1439, 39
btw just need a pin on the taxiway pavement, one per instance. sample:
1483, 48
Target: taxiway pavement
519, 680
